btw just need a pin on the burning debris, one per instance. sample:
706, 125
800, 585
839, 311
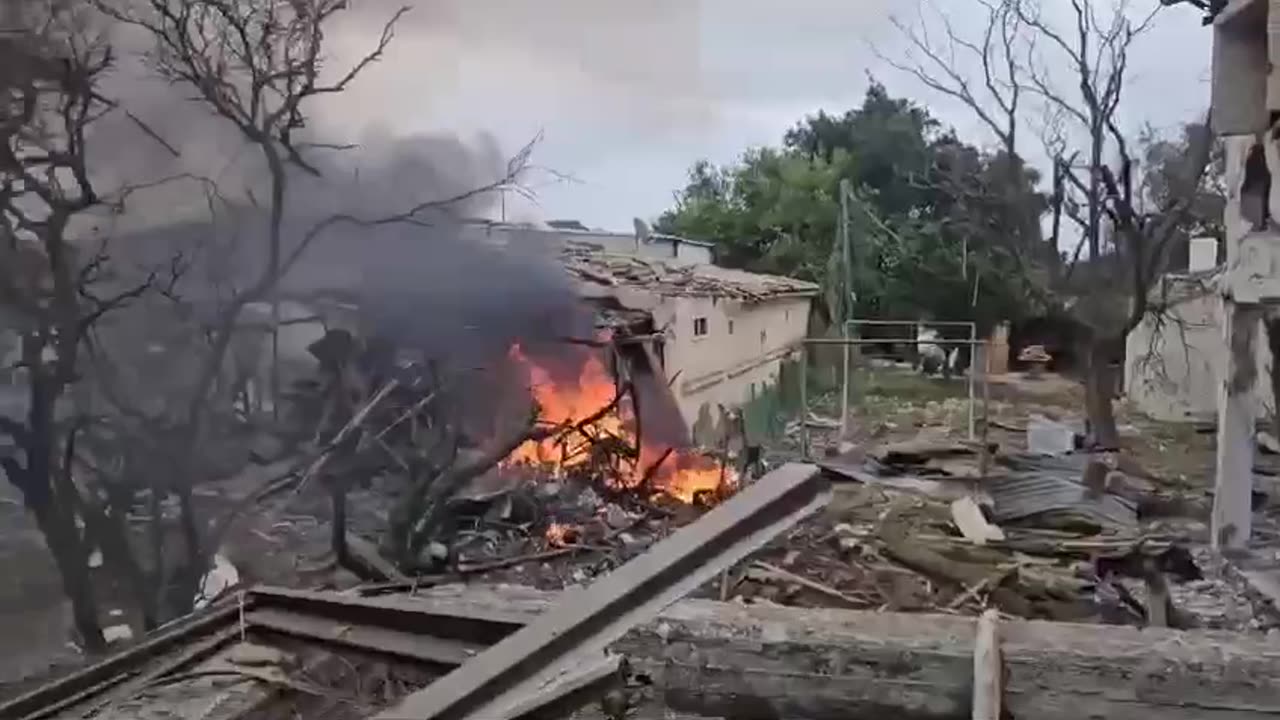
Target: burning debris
577, 431
594, 427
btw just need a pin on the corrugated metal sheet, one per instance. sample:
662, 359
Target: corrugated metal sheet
1039, 485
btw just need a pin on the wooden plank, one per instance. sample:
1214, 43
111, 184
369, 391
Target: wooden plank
727, 660
987, 668
586, 619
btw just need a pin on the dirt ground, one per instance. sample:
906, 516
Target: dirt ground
284, 541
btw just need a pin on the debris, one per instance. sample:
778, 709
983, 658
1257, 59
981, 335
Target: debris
366, 554
976, 590
95, 559
220, 578
1268, 443
822, 423
918, 451
586, 619
1049, 437
706, 658
969, 519
1041, 487
764, 571
926, 487
117, 633
255, 655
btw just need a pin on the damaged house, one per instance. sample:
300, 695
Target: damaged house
718, 336
721, 335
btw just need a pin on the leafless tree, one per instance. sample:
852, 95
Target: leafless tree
56, 285
260, 65
1075, 74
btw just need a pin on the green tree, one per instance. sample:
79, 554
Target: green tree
923, 219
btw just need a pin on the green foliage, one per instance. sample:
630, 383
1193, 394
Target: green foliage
925, 220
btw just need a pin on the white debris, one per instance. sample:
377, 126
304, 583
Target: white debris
95, 559
932, 356
117, 633
218, 580
1049, 437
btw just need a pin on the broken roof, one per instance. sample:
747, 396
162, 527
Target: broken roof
674, 278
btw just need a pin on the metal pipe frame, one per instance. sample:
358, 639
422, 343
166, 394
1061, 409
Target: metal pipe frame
973, 342
973, 338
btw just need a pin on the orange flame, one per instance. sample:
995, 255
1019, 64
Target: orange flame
559, 535
681, 473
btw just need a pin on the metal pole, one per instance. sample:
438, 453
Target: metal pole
973, 375
846, 303
804, 401
984, 456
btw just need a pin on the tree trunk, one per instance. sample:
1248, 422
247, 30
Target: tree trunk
108, 525
1099, 387
73, 567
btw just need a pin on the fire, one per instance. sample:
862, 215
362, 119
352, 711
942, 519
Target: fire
684, 474
559, 535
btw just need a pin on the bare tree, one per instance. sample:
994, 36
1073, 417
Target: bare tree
55, 285
259, 65
1107, 292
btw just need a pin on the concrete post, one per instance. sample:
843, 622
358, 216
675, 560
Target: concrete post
1237, 412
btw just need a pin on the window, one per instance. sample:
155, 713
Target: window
730, 327
699, 327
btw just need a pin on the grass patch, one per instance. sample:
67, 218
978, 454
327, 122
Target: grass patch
906, 385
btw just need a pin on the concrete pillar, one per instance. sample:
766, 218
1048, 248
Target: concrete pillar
1236, 363
1237, 412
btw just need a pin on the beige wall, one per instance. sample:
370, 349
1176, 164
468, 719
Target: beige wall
1171, 370
743, 348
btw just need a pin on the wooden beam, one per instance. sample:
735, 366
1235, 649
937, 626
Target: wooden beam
714, 659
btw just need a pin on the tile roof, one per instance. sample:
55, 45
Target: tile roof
674, 278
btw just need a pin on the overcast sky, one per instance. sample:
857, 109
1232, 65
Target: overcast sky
628, 94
